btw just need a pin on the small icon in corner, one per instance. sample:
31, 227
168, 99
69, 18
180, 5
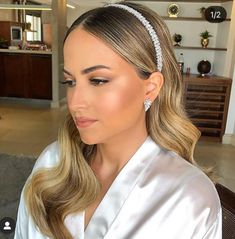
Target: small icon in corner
7, 225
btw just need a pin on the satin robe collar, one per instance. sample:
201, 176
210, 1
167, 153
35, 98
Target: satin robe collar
114, 199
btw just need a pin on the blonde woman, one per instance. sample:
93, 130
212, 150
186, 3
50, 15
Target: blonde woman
123, 165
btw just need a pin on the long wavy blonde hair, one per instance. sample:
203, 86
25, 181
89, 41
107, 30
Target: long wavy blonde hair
71, 186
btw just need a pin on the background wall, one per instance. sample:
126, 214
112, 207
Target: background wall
7, 15
58, 21
190, 30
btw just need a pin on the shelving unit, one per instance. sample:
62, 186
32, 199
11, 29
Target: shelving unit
206, 101
192, 1
206, 98
188, 18
189, 23
200, 48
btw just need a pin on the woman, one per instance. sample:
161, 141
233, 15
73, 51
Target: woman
123, 164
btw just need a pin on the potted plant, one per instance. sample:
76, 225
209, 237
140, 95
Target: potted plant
202, 11
205, 38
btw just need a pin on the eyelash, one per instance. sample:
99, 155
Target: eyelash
70, 83
94, 81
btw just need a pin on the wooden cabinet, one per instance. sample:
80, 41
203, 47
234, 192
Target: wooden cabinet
25, 75
206, 100
2, 79
40, 80
15, 74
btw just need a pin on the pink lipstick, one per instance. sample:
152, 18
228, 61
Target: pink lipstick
83, 122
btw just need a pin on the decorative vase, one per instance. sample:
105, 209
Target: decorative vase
177, 39
203, 11
205, 42
204, 67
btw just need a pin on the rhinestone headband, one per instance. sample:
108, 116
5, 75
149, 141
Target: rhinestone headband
148, 27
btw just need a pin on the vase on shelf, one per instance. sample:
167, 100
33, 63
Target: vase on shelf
202, 11
204, 67
177, 38
205, 38
204, 42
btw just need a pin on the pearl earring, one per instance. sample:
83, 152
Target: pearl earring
147, 104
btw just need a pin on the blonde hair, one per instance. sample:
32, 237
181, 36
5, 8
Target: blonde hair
71, 186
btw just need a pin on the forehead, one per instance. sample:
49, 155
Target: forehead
83, 46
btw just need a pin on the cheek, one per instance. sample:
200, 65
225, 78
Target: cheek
121, 99
69, 96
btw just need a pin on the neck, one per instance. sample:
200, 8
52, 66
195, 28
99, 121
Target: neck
116, 152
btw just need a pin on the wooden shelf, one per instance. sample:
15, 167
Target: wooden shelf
204, 111
189, 19
202, 120
206, 100
206, 93
209, 138
200, 48
204, 107
211, 80
208, 129
191, 1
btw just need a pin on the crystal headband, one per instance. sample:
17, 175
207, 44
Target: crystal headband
148, 27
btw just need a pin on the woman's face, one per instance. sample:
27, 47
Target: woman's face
105, 95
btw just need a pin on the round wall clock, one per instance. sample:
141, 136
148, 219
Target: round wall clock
173, 10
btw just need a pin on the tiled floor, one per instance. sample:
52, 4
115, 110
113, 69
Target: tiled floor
27, 130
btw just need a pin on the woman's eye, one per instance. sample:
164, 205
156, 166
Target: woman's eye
98, 81
69, 82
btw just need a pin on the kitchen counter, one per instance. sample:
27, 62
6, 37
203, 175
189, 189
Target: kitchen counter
48, 52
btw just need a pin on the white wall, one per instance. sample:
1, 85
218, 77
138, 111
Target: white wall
230, 70
73, 14
225, 62
230, 129
58, 31
190, 30
229, 137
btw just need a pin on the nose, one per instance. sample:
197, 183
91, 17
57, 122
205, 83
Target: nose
77, 98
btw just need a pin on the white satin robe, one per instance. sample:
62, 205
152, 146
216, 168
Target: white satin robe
157, 195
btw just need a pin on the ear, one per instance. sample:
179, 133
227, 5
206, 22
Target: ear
153, 85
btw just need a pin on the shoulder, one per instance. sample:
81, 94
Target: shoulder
192, 178
177, 189
186, 184
49, 157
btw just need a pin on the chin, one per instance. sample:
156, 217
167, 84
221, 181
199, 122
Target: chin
89, 140
92, 140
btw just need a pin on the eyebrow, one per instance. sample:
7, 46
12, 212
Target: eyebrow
89, 69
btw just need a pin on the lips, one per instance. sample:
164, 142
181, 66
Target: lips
83, 122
